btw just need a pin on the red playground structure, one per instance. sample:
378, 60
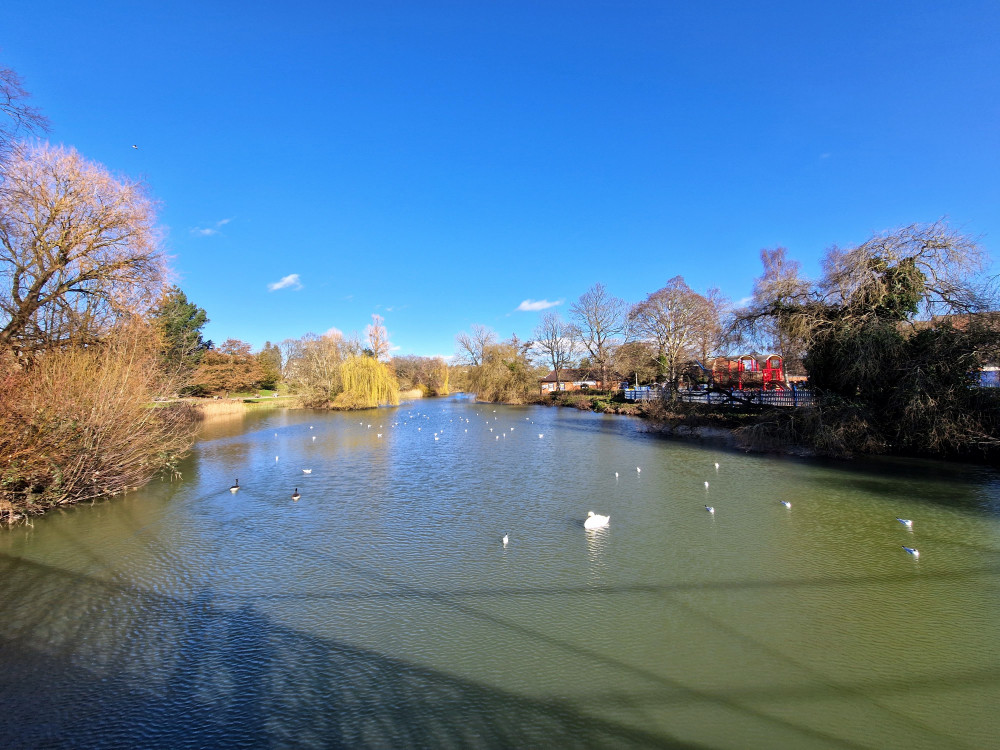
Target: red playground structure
749, 371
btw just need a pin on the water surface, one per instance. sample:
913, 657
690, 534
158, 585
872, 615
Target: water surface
382, 609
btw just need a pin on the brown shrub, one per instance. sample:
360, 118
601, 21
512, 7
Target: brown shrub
81, 423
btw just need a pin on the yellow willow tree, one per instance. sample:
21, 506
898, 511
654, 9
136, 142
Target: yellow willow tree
367, 383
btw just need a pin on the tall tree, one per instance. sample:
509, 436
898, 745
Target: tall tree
269, 359
602, 322
179, 322
17, 117
378, 338
672, 319
472, 345
79, 250
555, 343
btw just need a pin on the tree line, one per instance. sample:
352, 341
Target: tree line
892, 337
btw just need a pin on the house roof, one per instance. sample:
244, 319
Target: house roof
576, 376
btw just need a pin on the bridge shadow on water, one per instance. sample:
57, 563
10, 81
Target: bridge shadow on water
88, 663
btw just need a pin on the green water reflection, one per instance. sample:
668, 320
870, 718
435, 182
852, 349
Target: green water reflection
382, 610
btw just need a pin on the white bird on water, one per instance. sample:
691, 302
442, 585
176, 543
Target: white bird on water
786, 503
717, 466
505, 540
595, 521
307, 471
236, 487
296, 495
710, 509
638, 470
911, 551
706, 485
908, 523
541, 434
616, 475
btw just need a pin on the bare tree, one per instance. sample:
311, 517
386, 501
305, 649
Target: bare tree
602, 322
79, 249
472, 345
710, 332
556, 343
778, 317
673, 319
378, 338
950, 266
17, 118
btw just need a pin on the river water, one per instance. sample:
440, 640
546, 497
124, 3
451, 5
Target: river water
382, 609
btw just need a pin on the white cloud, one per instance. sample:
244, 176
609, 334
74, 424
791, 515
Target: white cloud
291, 280
531, 305
334, 333
212, 230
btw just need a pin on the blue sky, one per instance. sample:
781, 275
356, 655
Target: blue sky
440, 163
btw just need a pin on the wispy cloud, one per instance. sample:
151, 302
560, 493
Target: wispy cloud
210, 230
532, 305
291, 280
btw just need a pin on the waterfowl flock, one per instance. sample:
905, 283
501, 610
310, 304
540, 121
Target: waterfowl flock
593, 520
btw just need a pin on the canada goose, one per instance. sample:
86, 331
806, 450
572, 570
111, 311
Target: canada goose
296, 495
236, 487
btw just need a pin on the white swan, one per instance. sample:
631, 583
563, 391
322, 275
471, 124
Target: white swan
595, 521
307, 471
786, 503
907, 522
710, 509
505, 540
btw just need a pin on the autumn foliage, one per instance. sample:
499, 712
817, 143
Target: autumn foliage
81, 423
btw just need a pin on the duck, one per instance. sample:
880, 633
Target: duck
236, 487
911, 551
595, 521
907, 522
296, 495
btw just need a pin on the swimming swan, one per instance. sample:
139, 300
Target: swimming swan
595, 521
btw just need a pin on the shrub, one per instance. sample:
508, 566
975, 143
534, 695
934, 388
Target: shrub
80, 424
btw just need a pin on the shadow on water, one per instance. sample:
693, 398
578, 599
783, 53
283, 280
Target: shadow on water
128, 668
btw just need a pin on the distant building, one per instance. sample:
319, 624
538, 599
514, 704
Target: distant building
577, 380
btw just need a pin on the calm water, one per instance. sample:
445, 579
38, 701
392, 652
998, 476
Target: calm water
382, 610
